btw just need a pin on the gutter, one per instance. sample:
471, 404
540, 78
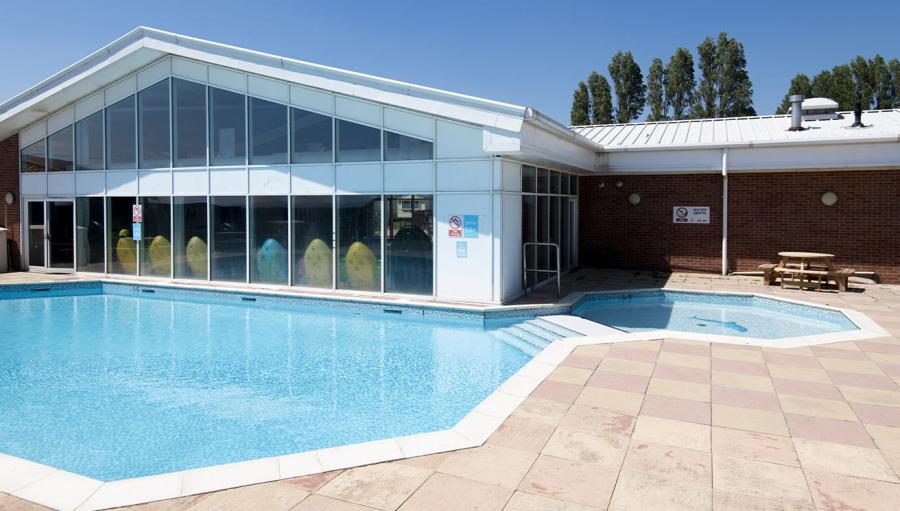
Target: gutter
750, 145
537, 118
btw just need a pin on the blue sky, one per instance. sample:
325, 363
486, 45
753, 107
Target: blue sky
525, 52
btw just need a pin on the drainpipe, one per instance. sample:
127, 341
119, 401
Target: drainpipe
724, 212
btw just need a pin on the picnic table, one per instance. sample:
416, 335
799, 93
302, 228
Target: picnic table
806, 269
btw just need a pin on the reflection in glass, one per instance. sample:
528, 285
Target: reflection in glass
543, 231
189, 238
153, 126
121, 249
227, 130
60, 151
36, 236
529, 234
401, 147
529, 174
89, 143
269, 239
312, 228
34, 157
156, 242
359, 242
357, 142
311, 136
189, 123
89, 234
60, 224
543, 181
228, 252
408, 244
268, 133
120, 135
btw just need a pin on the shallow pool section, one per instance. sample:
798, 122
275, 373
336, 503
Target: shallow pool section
710, 313
121, 381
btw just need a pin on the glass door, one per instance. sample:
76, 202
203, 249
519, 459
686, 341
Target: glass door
37, 235
51, 235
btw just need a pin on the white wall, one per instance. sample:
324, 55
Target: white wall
464, 278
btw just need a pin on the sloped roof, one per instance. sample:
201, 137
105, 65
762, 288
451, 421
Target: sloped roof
766, 130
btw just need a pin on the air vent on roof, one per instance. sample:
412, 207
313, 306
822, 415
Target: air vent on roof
818, 109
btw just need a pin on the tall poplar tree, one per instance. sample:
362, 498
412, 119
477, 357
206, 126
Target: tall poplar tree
863, 90
735, 90
880, 74
843, 88
894, 66
799, 85
656, 91
629, 86
705, 97
601, 99
820, 86
680, 83
581, 106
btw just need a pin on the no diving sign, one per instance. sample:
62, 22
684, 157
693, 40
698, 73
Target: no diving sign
690, 215
454, 226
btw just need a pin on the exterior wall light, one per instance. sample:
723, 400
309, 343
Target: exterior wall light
602, 184
618, 184
829, 198
9, 198
634, 198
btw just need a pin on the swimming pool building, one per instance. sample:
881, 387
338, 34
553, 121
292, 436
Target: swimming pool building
252, 168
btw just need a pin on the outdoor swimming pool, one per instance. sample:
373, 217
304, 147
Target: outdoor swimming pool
117, 381
710, 313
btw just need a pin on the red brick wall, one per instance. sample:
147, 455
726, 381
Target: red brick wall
768, 213
9, 182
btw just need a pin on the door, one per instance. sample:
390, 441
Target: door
51, 235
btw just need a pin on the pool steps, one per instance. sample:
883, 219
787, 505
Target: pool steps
533, 335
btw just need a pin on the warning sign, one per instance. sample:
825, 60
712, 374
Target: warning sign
690, 215
137, 213
455, 226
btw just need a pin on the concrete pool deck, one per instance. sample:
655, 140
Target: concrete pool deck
660, 424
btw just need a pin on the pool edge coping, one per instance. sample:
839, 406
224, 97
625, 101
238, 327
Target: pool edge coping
63, 490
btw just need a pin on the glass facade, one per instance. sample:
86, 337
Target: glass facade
268, 133
90, 235
190, 237
548, 216
34, 157
121, 130
401, 147
228, 251
408, 244
359, 242
227, 127
188, 123
156, 237
356, 142
269, 240
153, 126
60, 150
89, 143
121, 248
312, 227
311, 137
36, 233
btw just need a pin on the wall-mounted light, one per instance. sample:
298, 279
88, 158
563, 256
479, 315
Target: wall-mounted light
829, 198
9, 198
634, 198
602, 184
618, 184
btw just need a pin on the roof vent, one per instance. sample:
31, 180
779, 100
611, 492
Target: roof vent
818, 109
857, 117
796, 109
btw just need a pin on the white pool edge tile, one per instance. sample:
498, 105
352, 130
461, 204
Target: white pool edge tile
60, 490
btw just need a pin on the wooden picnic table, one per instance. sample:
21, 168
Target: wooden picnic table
805, 269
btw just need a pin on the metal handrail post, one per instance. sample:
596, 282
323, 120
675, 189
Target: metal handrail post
526, 269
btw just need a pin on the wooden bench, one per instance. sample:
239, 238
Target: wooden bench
797, 277
769, 274
842, 278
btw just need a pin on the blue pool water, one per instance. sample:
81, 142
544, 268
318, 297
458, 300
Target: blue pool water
121, 385
731, 315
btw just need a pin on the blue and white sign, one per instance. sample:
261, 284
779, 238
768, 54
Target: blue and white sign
136, 231
470, 226
462, 249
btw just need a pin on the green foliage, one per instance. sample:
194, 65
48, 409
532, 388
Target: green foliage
705, 105
882, 85
680, 83
874, 83
629, 85
843, 90
656, 95
862, 82
581, 106
735, 90
894, 67
601, 99
799, 85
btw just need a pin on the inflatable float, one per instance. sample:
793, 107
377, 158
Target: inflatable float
361, 267
271, 262
126, 251
160, 256
195, 253
317, 264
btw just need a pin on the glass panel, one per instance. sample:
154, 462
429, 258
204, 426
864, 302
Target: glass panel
60, 152
311, 137
36, 238
529, 234
60, 226
34, 157
89, 143
156, 232
359, 242
543, 231
189, 123
268, 133
269, 240
554, 182
89, 234
120, 135
189, 238
554, 235
227, 130
528, 179
564, 184
400, 147
565, 231
312, 238
357, 142
573, 185
408, 243
153, 125
228, 253
122, 250
543, 181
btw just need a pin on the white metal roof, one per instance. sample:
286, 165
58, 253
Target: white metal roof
767, 130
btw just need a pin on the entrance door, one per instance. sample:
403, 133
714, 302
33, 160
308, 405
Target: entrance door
51, 235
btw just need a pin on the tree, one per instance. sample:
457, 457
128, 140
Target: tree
880, 75
863, 89
680, 83
601, 99
820, 87
705, 96
894, 66
629, 85
581, 106
843, 88
735, 90
799, 85
656, 91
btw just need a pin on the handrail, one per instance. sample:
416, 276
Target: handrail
526, 269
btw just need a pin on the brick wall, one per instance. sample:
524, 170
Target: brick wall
768, 212
9, 182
